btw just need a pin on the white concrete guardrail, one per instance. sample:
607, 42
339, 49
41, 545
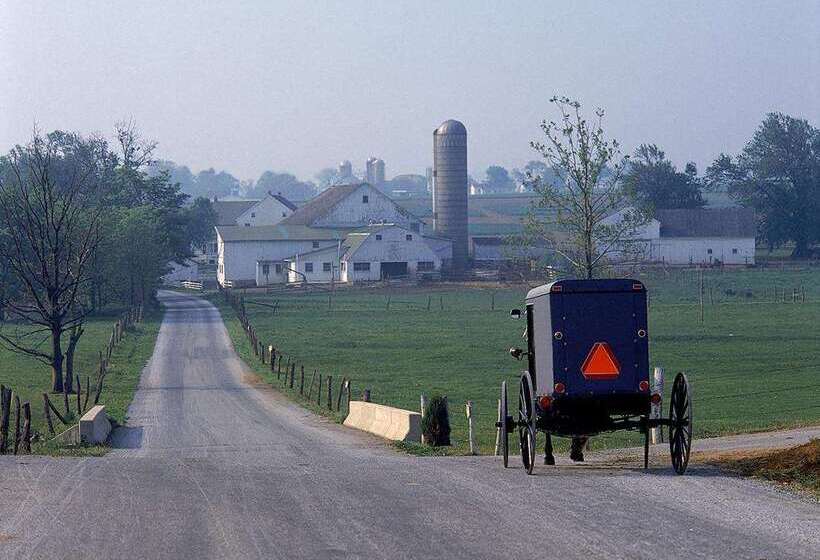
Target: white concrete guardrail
390, 423
93, 428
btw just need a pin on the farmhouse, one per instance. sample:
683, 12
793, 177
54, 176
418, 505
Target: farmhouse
315, 242
248, 213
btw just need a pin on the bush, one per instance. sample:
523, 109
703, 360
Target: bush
436, 422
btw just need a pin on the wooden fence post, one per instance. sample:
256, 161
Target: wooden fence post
87, 392
79, 396
54, 409
470, 432
65, 399
498, 431
319, 392
339, 396
302, 381
16, 423
292, 373
272, 355
349, 389
27, 427
330, 392
5, 405
47, 413
312, 381
423, 406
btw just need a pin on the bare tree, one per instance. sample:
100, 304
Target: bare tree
49, 214
582, 213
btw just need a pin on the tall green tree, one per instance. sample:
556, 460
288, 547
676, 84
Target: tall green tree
583, 194
778, 174
653, 182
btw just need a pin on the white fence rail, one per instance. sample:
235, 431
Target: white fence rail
191, 284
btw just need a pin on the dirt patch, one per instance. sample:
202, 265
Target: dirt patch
797, 467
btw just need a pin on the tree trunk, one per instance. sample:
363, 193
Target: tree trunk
56, 362
76, 333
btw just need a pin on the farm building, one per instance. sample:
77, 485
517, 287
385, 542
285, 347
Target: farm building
705, 236
242, 250
351, 206
268, 211
326, 230
375, 253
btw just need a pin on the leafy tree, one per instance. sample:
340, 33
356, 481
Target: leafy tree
653, 182
586, 191
200, 219
498, 180
328, 177
50, 218
778, 174
284, 183
210, 183
415, 184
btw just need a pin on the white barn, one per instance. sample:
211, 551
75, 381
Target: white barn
249, 256
379, 252
705, 236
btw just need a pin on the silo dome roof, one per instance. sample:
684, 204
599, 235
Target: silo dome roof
451, 127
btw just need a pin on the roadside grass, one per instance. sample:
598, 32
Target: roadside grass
29, 378
797, 468
752, 363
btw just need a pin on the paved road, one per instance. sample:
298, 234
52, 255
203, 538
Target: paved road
212, 467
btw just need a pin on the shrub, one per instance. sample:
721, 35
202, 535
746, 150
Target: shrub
436, 422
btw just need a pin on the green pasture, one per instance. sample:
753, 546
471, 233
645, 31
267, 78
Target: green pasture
752, 362
29, 378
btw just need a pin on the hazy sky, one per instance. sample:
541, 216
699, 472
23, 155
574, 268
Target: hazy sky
249, 86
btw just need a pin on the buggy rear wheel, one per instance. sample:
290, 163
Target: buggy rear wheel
526, 423
680, 423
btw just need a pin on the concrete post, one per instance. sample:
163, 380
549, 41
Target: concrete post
656, 435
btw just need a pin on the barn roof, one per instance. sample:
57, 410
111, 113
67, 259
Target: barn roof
287, 203
278, 232
227, 211
320, 205
707, 222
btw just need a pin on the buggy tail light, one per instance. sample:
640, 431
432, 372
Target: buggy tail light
644, 385
560, 388
655, 398
545, 402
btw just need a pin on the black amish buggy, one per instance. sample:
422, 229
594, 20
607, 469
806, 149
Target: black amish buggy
588, 370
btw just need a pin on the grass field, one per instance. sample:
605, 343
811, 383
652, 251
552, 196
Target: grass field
753, 363
30, 378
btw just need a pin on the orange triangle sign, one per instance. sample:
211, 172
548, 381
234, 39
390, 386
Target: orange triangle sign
601, 363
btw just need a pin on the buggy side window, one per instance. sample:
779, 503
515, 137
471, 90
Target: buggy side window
531, 344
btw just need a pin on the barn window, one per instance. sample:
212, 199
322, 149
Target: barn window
309, 267
378, 237
734, 251
284, 214
265, 269
247, 224
409, 237
343, 266
325, 267
709, 251
426, 265
253, 214
365, 199
315, 244
278, 269
361, 266
414, 226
